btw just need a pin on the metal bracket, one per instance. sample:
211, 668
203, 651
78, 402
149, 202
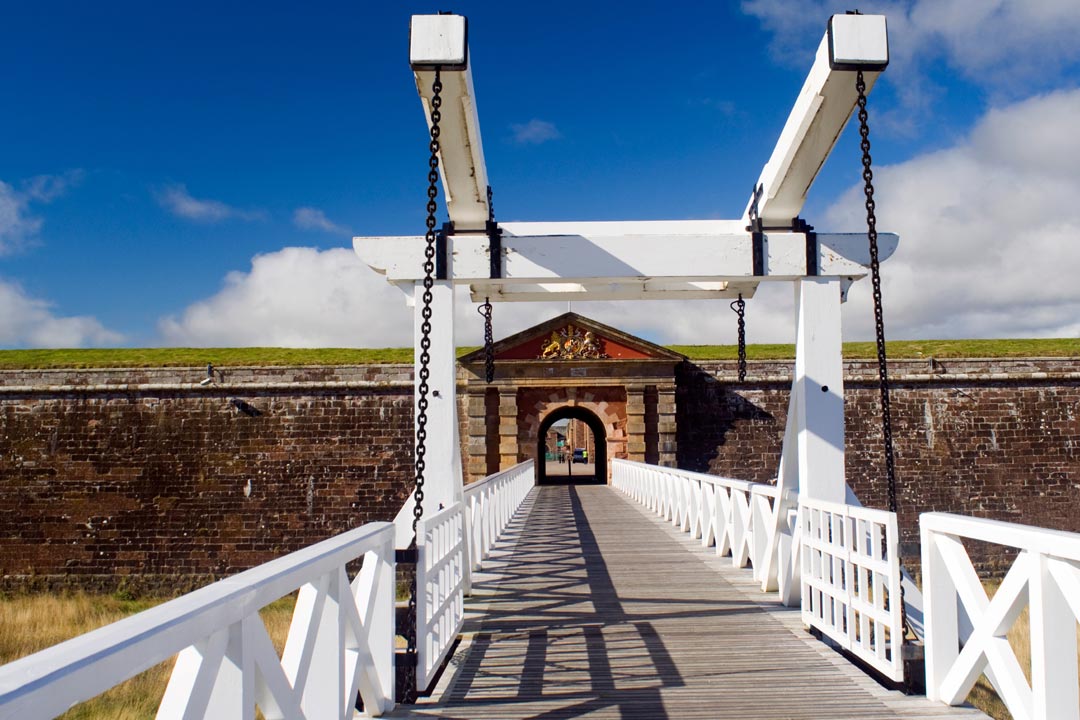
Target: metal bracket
441, 264
494, 233
757, 238
800, 225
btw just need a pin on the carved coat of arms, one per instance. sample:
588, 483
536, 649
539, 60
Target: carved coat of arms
571, 343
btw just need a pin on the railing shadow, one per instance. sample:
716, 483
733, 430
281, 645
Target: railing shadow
559, 635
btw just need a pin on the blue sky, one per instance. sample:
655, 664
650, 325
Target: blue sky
191, 174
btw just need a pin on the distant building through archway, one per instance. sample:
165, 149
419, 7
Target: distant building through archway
623, 387
598, 460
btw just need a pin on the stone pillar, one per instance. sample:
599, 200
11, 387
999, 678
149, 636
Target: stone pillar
635, 422
508, 428
665, 424
478, 420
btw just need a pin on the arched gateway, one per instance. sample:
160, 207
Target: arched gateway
623, 387
598, 460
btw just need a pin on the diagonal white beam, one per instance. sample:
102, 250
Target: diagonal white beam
822, 109
441, 41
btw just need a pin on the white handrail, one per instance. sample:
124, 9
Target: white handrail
846, 588
715, 509
341, 642
440, 582
851, 580
1045, 577
489, 506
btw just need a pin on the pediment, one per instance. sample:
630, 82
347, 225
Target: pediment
574, 338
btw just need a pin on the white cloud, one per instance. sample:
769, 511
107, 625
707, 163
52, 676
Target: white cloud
1009, 48
991, 41
297, 297
534, 132
988, 230
17, 224
310, 218
177, 200
988, 248
26, 321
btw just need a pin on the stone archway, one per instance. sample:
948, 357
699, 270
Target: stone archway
627, 383
571, 412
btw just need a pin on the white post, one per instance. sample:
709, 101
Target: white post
819, 390
443, 483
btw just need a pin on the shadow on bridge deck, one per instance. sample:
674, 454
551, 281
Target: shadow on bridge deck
593, 608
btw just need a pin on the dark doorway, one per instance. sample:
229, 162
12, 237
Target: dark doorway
595, 470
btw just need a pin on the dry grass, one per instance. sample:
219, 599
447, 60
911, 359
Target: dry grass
29, 623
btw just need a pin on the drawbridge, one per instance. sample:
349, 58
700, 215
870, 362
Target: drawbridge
665, 593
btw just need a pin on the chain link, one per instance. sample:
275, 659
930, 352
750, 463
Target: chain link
739, 306
879, 319
424, 373
489, 342
485, 310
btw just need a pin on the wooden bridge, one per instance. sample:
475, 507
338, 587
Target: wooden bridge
668, 593
595, 607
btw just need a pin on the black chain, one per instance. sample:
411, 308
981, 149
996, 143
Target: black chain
739, 306
489, 342
879, 319
424, 372
485, 310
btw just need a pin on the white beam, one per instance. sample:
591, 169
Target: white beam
818, 386
441, 41
822, 109
600, 254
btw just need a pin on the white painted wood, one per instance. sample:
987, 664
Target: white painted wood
858, 40
544, 256
673, 495
819, 389
490, 505
850, 578
437, 40
223, 668
1045, 577
821, 110
440, 40
443, 479
440, 582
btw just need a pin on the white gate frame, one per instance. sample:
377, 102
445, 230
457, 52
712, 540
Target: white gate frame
712, 259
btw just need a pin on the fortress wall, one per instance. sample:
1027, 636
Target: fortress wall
145, 478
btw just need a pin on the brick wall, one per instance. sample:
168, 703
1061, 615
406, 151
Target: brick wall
144, 477
140, 477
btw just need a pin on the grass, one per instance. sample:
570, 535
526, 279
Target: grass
914, 349
29, 623
236, 357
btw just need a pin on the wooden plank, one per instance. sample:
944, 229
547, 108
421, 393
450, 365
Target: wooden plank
598, 609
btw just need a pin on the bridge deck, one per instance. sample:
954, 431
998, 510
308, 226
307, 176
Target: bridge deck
597, 609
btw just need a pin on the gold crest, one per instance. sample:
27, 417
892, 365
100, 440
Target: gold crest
572, 344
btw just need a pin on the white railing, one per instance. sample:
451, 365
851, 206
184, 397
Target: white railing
716, 509
851, 580
1045, 577
440, 582
828, 557
341, 642
489, 506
